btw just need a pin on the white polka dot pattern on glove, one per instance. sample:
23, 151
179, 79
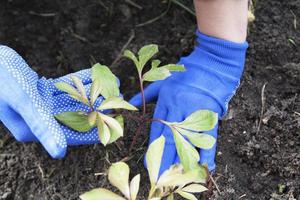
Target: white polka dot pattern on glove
28, 105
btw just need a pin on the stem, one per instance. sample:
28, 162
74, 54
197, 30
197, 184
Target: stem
137, 133
143, 94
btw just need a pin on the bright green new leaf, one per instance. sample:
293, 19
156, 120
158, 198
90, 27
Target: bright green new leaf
128, 54
155, 64
77, 82
134, 187
77, 121
186, 195
189, 157
103, 131
153, 158
116, 103
118, 176
194, 188
201, 120
100, 194
156, 74
107, 80
95, 91
114, 135
174, 67
65, 87
146, 53
200, 140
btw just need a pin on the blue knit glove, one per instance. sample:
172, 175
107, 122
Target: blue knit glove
28, 104
212, 75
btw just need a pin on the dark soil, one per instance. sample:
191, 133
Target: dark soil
59, 37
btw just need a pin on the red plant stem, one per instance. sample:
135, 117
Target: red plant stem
137, 133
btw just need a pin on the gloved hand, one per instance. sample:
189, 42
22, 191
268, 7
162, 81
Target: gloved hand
28, 104
212, 75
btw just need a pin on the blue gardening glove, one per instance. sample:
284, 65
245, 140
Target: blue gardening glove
212, 75
28, 104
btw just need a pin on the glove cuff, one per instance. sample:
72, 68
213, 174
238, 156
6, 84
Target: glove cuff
215, 67
222, 55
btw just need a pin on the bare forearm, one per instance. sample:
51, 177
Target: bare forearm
225, 19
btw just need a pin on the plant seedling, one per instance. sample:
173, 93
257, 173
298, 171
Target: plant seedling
145, 54
180, 179
104, 83
174, 181
193, 126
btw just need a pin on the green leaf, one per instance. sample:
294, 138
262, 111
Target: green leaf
107, 80
77, 121
201, 120
116, 103
189, 157
168, 179
92, 118
153, 158
128, 54
134, 187
170, 197
155, 64
200, 140
118, 176
115, 126
100, 194
156, 74
114, 135
103, 131
95, 91
186, 195
65, 87
77, 82
174, 67
194, 188
202, 175
146, 53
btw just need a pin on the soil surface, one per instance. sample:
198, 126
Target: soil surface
259, 144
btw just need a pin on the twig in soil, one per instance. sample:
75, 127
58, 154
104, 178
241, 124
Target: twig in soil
297, 113
103, 5
134, 4
58, 196
42, 14
118, 58
244, 195
81, 38
184, 7
41, 170
107, 158
215, 184
100, 174
155, 18
117, 145
263, 102
127, 158
294, 100
295, 19
92, 60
